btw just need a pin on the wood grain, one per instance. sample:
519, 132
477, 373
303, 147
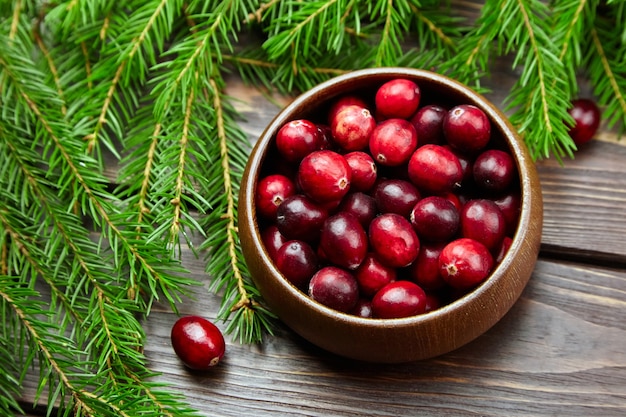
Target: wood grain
559, 348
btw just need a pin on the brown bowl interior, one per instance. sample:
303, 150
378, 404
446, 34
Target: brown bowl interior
411, 338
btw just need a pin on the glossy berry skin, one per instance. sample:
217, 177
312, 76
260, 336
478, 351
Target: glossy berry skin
425, 270
197, 342
343, 240
435, 219
435, 169
271, 192
297, 261
324, 176
464, 263
364, 170
298, 217
392, 142
428, 124
467, 128
494, 170
342, 103
399, 299
363, 308
483, 221
372, 275
396, 196
393, 240
509, 204
351, 128
398, 98
298, 138
586, 115
360, 205
335, 288
272, 240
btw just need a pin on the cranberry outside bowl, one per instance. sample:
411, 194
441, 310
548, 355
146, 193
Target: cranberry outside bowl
394, 340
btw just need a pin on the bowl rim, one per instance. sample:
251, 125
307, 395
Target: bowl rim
497, 118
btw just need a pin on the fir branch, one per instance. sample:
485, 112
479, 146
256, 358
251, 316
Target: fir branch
604, 61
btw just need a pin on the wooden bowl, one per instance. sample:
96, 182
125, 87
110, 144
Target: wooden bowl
405, 339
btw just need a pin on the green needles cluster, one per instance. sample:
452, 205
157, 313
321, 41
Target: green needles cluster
119, 149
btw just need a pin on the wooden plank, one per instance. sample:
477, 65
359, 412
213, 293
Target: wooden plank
559, 348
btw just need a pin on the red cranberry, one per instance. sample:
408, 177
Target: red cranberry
343, 240
272, 240
361, 206
435, 219
351, 128
586, 115
364, 170
197, 342
296, 139
467, 164
494, 170
435, 169
335, 288
300, 218
483, 221
271, 191
399, 299
393, 240
326, 136
372, 275
467, 128
465, 263
428, 123
396, 196
392, 142
297, 261
509, 204
433, 302
363, 308
425, 270
504, 248
324, 176
398, 98
343, 102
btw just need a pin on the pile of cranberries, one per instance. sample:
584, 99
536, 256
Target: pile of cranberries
390, 205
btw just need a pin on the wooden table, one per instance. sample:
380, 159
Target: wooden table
560, 351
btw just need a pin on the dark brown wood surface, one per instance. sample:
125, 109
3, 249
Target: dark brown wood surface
560, 351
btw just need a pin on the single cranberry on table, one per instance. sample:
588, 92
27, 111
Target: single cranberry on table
299, 217
271, 192
398, 98
372, 275
335, 288
399, 299
364, 170
351, 128
396, 196
298, 138
482, 220
428, 124
343, 240
392, 142
197, 342
467, 128
464, 263
393, 240
586, 115
297, 261
435, 169
324, 176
